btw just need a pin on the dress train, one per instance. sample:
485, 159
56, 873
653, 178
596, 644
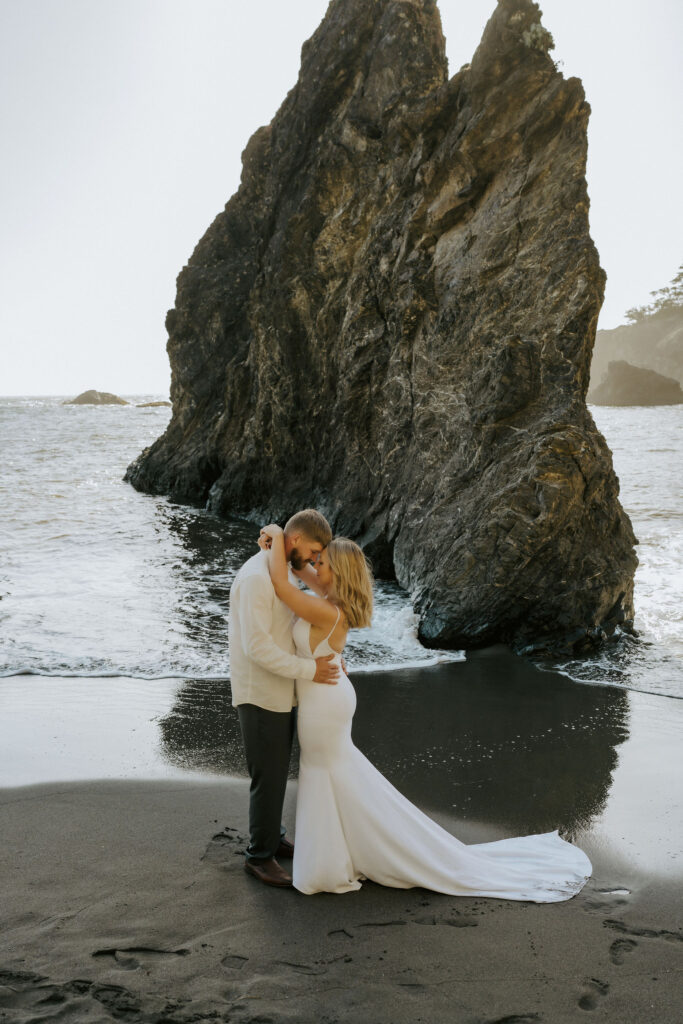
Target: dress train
352, 824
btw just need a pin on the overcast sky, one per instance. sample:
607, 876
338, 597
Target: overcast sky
122, 124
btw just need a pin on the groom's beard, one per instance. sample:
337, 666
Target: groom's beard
295, 560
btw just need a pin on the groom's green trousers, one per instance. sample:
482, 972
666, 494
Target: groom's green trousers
267, 737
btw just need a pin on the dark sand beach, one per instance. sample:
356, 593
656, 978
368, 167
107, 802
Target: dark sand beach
124, 897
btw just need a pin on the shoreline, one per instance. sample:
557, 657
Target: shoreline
439, 661
490, 746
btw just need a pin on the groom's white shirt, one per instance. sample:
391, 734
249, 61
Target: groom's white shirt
263, 665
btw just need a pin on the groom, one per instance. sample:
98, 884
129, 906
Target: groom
263, 667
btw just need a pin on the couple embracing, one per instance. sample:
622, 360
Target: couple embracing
288, 673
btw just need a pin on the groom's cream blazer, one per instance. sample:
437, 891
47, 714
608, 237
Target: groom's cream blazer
263, 665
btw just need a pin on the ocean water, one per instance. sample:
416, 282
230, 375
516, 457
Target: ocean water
99, 580
647, 448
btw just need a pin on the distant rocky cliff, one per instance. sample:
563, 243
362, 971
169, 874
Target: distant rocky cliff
392, 320
624, 384
654, 343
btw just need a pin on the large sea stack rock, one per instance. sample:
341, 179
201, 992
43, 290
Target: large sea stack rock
624, 384
392, 320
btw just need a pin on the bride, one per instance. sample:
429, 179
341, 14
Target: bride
351, 823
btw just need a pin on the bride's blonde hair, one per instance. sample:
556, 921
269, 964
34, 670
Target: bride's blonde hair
352, 581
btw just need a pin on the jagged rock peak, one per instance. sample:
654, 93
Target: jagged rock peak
393, 319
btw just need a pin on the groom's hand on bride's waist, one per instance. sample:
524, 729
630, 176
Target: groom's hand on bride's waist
325, 670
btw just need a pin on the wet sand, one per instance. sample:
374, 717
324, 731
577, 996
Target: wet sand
126, 899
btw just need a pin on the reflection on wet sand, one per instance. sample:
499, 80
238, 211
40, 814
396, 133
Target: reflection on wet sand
492, 740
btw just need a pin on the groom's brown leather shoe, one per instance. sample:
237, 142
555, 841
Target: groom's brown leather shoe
285, 849
268, 871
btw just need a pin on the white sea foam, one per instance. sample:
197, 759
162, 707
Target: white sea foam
647, 446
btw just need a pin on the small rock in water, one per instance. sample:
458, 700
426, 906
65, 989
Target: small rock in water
96, 398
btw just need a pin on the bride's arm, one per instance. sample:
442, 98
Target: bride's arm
315, 610
277, 559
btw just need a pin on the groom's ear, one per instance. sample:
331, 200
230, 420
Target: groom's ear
291, 540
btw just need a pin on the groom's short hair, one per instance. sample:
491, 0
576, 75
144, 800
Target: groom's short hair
312, 524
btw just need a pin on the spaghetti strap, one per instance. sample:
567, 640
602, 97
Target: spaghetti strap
335, 624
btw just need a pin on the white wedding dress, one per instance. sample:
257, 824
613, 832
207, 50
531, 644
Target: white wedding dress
352, 824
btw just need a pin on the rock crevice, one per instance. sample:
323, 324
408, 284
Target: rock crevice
393, 319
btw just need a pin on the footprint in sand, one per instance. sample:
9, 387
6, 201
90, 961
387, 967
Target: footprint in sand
132, 958
24, 992
21, 991
25, 996
381, 924
303, 968
594, 992
646, 933
516, 1018
119, 1001
606, 899
452, 922
224, 844
619, 950
234, 961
